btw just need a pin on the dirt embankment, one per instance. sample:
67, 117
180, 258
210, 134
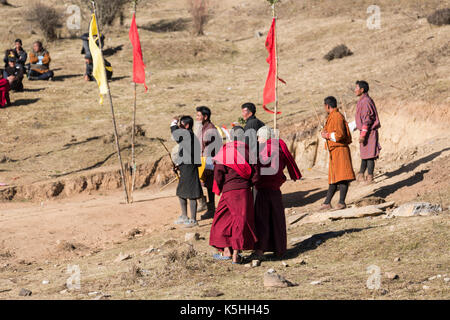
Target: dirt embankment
157, 172
407, 132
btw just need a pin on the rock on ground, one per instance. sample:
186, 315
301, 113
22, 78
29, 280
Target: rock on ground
412, 209
273, 280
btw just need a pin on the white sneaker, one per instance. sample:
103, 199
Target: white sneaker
182, 220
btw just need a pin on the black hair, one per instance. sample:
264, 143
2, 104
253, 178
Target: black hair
331, 101
205, 111
363, 85
187, 120
40, 44
19, 41
250, 106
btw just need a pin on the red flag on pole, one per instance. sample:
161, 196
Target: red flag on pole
270, 88
138, 61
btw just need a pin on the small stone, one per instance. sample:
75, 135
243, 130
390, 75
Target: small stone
122, 257
212, 293
284, 264
93, 293
147, 251
25, 292
271, 271
391, 275
190, 236
274, 280
314, 283
45, 282
63, 291
439, 276
256, 263
397, 259
446, 279
431, 278
129, 291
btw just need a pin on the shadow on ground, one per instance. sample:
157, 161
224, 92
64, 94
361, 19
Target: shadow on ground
316, 240
303, 198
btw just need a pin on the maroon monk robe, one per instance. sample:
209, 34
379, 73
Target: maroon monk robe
368, 123
234, 221
4, 92
270, 219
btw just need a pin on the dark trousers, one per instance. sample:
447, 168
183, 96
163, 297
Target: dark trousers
34, 75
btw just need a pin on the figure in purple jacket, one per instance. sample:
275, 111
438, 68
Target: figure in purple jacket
368, 123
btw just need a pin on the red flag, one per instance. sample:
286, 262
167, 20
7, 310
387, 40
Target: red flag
269, 89
138, 61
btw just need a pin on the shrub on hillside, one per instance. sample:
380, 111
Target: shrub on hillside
46, 18
199, 11
338, 52
108, 10
440, 17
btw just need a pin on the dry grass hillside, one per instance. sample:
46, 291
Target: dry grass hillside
55, 128
58, 159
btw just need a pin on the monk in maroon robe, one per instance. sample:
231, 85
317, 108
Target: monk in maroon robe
4, 91
233, 227
269, 210
368, 123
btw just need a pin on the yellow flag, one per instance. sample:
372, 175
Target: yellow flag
99, 71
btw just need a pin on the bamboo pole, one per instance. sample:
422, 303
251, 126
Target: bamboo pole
133, 134
113, 117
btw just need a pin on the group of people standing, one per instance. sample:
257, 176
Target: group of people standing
247, 172
16, 67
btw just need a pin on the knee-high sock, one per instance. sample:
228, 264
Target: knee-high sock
183, 204
331, 191
193, 208
343, 189
211, 198
370, 166
363, 166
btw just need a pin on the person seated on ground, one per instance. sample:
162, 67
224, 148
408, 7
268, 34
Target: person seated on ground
40, 63
88, 59
4, 91
17, 53
14, 74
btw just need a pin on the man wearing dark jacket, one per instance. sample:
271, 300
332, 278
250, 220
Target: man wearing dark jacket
88, 58
14, 74
248, 113
17, 53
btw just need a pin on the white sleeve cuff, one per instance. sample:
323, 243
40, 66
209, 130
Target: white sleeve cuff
352, 126
333, 136
174, 123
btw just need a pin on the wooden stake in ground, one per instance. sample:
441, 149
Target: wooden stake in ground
116, 136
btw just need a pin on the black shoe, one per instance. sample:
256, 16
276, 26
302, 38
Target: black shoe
208, 215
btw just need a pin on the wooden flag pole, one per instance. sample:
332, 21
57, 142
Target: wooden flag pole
275, 115
113, 117
133, 134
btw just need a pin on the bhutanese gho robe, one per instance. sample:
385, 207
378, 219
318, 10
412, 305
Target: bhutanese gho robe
339, 137
368, 123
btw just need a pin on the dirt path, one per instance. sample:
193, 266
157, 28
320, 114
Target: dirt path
35, 231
